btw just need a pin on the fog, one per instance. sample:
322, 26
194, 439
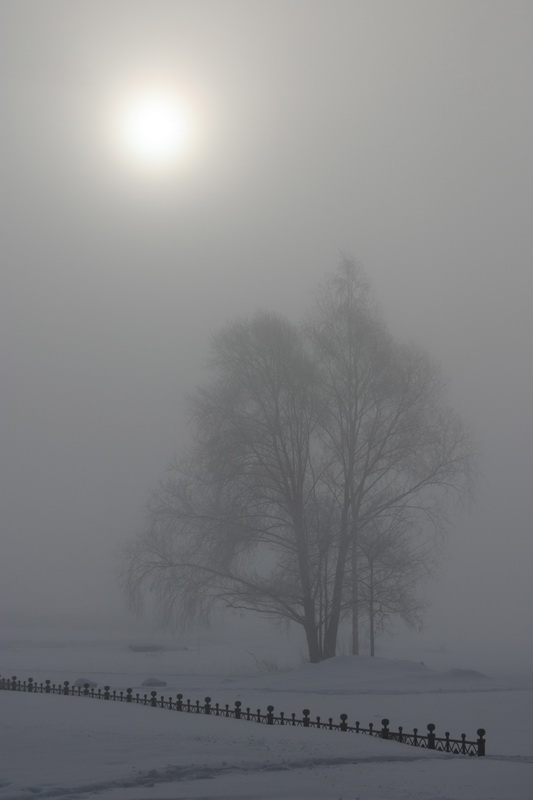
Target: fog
398, 132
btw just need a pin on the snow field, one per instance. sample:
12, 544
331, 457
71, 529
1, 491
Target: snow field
77, 747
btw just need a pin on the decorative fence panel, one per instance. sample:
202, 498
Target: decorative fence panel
428, 740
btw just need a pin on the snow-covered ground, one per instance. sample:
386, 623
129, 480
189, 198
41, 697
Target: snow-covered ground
69, 747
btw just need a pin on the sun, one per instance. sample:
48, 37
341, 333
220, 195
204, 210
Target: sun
155, 128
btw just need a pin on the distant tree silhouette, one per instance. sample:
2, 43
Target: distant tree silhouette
306, 441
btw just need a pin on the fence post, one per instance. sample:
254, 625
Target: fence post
106, 692
306, 713
415, 737
270, 715
344, 726
385, 729
431, 736
447, 744
128, 695
481, 741
14, 683
237, 709
400, 733
153, 701
66, 685
207, 707
30, 684
85, 689
179, 703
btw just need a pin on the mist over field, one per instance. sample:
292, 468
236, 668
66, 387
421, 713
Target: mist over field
399, 133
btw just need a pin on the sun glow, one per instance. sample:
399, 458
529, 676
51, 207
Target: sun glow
155, 128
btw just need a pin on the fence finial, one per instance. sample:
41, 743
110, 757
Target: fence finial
481, 741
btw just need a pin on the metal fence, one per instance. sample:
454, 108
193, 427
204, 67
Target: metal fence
429, 740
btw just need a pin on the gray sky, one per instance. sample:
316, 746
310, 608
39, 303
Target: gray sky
397, 131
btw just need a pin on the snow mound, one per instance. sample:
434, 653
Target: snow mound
353, 674
466, 674
153, 682
85, 682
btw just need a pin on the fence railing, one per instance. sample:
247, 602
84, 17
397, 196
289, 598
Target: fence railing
428, 740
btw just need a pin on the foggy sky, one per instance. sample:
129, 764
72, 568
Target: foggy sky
399, 132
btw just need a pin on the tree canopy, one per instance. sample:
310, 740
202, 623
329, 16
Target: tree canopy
322, 460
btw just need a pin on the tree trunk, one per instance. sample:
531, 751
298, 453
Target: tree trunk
309, 608
355, 600
311, 633
371, 616
334, 616
315, 651
330, 638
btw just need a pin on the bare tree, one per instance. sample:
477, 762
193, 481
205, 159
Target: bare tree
239, 521
303, 439
391, 441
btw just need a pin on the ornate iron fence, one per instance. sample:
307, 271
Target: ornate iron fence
427, 740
